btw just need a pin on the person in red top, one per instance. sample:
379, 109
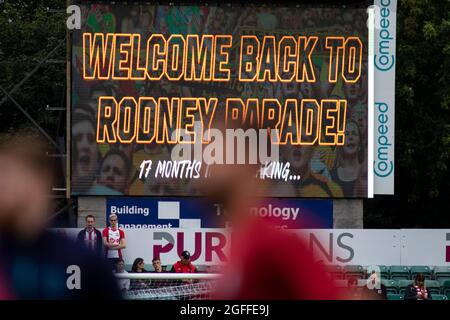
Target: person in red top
113, 240
258, 247
184, 265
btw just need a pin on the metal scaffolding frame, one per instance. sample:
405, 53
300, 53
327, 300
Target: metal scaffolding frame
8, 96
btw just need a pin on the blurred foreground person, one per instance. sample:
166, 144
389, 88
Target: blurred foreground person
36, 263
258, 247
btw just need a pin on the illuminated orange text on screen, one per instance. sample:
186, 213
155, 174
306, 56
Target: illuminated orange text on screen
207, 59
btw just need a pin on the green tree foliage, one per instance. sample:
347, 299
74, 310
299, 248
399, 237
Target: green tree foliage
28, 32
422, 180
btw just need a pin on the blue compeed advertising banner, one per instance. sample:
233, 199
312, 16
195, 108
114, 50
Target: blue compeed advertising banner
192, 213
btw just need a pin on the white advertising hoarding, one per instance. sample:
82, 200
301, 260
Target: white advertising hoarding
384, 119
426, 247
354, 246
210, 246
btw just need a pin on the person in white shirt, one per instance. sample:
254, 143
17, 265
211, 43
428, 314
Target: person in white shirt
124, 284
113, 240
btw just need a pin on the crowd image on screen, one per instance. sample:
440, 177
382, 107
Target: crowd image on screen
329, 166
86, 154
348, 164
114, 171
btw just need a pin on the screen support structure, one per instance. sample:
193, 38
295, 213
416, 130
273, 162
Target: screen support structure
371, 102
68, 108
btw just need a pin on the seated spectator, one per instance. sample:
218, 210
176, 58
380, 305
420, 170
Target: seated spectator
124, 284
417, 290
352, 287
372, 289
184, 265
157, 267
138, 267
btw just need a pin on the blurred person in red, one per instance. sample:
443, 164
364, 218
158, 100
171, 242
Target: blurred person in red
36, 263
258, 247
258, 250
